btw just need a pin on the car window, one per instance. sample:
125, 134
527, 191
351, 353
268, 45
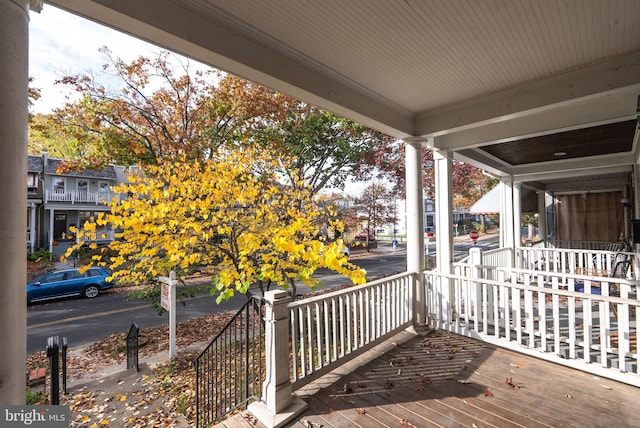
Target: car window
57, 276
94, 272
73, 275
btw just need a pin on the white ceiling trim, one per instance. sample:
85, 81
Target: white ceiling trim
621, 75
593, 111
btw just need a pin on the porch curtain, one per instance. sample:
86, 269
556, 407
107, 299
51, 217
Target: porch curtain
589, 217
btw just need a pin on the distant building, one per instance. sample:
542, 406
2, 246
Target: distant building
429, 218
56, 202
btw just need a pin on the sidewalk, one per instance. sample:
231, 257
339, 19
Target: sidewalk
125, 398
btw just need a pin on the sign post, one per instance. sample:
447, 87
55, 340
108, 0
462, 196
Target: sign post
474, 235
168, 302
429, 236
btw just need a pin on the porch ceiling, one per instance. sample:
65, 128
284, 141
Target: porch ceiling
490, 81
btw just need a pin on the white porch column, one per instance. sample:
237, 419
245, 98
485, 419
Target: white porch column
506, 212
542, 216
415, 229
14, 30
278, 405
33, 235
444, 210
52, 215
443, 170
517, 214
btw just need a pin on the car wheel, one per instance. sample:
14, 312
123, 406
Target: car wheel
91, 291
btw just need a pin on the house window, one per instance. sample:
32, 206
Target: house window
32, 181
103, 187
82, 186
58, 184
84, 217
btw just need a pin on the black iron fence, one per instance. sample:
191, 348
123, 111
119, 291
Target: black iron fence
230, 371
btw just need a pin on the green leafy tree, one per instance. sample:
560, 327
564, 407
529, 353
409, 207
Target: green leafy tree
325, 149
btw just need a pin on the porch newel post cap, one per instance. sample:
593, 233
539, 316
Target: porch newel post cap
274, 295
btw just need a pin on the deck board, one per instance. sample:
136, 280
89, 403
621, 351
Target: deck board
441, 381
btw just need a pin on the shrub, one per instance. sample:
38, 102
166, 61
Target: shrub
41, 255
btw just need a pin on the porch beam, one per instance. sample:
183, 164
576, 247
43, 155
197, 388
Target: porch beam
590, 84
612, 108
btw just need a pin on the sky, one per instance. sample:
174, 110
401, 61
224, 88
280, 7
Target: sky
61, 43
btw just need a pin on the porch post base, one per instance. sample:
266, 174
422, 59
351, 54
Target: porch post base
422, 329
271, 420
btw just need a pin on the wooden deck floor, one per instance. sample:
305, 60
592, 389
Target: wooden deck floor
447, 380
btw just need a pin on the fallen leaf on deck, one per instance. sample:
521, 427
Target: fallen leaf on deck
488, 393
361, 411
513, 384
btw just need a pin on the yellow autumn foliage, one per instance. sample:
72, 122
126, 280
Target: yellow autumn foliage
252, 226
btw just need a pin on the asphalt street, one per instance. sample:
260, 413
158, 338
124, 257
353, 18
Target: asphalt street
83, 321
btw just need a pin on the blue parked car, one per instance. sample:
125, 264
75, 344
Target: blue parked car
68, 283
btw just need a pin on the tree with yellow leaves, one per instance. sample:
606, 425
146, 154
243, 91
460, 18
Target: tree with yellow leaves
229, 212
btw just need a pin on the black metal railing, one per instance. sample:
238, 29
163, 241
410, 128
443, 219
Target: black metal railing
231, 369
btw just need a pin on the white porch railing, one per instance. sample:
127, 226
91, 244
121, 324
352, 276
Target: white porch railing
76, 197
541, 313
536, 312
328, 329
581, 245
99, 235
495, 257
596, 262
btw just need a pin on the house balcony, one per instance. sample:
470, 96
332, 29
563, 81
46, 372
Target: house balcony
80, 197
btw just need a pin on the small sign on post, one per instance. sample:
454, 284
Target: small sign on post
168, 298
474, 235
426, 250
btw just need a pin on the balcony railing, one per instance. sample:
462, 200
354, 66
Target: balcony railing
79, 197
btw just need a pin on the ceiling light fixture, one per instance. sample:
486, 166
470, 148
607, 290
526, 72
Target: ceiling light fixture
560, 154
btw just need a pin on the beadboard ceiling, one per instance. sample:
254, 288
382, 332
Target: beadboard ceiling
468, 76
